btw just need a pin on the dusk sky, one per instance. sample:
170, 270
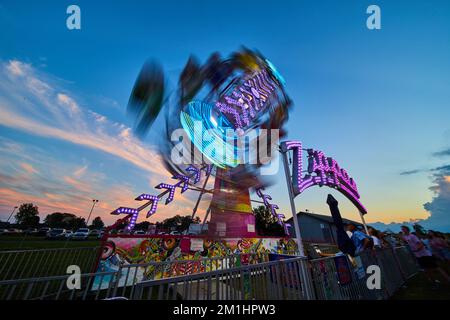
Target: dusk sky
378, 101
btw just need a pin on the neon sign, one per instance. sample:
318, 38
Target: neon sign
246, 100
321, 171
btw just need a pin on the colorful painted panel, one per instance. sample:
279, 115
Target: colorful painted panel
161, 257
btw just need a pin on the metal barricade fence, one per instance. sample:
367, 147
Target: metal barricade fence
119, 282
232, 278
391, 274
328, 287
56, 288
275, 280
396, 266
283, 279
19, 264
407, 261
127, 276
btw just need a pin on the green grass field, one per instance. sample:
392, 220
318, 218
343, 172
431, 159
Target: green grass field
420, 288
26, 242
24, 256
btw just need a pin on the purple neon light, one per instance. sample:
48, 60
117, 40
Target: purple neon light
152, 198
286, 228
134, 214
272, 208
208, 169
196, 172
251, 96
259, 192
171, 189
296, 147
230, 101
153, 208
224, 108
184, 181
146, 196
266, 197
327, 172
183, 184
124, 210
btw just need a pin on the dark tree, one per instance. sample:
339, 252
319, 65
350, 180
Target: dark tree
142, 225
64, 220
77, 223
97, 223
28, 215
179, 223
59, 220
266, 224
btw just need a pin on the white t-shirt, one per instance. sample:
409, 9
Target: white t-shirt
376, 241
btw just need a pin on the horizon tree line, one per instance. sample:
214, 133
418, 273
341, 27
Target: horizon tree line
27, 216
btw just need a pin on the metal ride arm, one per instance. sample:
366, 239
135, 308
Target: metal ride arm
202, 191
291, 198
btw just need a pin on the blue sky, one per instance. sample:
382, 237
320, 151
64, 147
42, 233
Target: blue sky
377, 101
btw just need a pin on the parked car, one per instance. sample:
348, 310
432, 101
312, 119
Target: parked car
100, 235
139, 232
57, 233
69, 234
43, 231
81, 234
2, 231
30, 231
13, 231
175, 233
94, 232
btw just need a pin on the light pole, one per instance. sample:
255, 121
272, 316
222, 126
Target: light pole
11, 213
94, 202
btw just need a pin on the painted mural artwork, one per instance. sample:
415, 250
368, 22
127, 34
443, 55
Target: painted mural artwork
155, 254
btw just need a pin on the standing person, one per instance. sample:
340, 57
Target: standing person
386, 240
423, 255
373, 233
426, 241
439, 246
361, 240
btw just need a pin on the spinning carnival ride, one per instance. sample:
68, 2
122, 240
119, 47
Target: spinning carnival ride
218, 105
227, 111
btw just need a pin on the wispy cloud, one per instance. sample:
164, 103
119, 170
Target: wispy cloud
28, 168
33, 102
442, 153
80, 171
37, 103
406, 173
